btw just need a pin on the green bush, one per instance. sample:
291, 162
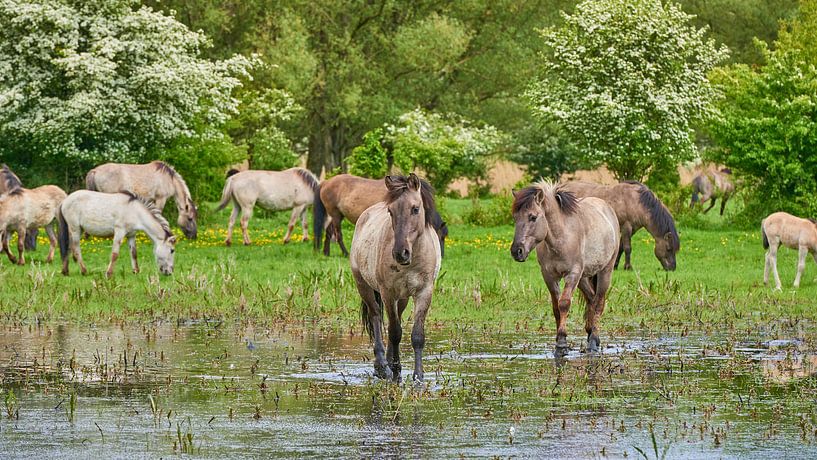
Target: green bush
369, 159
497, 212
271, 150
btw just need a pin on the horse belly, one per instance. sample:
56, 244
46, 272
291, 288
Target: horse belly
278, 199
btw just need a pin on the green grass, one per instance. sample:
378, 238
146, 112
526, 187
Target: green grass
718, 282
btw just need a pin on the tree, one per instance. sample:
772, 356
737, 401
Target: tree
766, 127
83, 82
626, 81
545, 153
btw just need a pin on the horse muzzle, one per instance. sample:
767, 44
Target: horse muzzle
518, 252
402, 257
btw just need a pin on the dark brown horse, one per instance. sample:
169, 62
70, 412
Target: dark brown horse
636, 207
575, 240
396, 255
710, 185
348, 196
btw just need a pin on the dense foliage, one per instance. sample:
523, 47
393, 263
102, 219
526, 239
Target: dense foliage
767, 126
626, 80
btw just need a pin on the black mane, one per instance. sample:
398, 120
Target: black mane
308, 178
163, 167
659, 214
525, 198
12, 182
400, 185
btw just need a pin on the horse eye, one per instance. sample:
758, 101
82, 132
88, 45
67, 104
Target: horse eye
173, 251
532, 218
415, 210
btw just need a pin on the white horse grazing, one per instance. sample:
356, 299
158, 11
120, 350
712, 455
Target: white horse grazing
274, 190
155, 182
793, 232
117, 214
24, 209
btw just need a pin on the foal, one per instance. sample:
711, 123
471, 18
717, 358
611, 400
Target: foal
793, 232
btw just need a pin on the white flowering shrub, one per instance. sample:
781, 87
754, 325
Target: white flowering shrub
626, 80
105, 80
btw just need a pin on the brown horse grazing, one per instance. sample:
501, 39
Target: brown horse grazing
22, 209
155, 182
793, 232
294, 188
8, 182
348, 196
396, 255
712, 184
636, 206
575, 239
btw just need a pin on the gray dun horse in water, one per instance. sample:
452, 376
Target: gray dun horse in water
792, 232
396, 255
636, 207
294, 188
575, 239
348, 196
117, 214
8, 182
710, 185
22, 209
155, 182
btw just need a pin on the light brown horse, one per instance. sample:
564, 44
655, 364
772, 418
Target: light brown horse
396, 255
8, 182
575, 239
22, 209
710, 185
792, 232
155, 181
119, 215
294, 188
348, 196
636, 207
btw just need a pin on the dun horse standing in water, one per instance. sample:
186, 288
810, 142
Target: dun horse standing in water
709, 185
22, 209
396, 255
294, 188
575, 239
155, 182
119, 215
348, 196
792, 232
636, 206
8, 182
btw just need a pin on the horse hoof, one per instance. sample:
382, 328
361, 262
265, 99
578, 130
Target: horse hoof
286, 241
306, 239
247, 243
417, 378
228, 243
383, 372
593, 344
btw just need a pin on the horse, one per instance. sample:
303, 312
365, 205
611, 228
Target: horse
348, 196
22, 209
636, 207
155, 181
8, 182
118, 214
294, 188
793, 232
575, 239
711, 184
395, 255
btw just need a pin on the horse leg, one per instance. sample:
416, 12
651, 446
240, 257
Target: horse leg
589, 295
603, 280
339, 235
801, 264
553, 289
723, 202
291, 225
422, 301
766, 267
77, 252
773, 246
231, 224
246, 213
6, 240
327, 238
117, 243
304, 225
626, 245
132, 246
395, 335
571, 281
374, 316
712, 202
21, 244
620, 253
52, 241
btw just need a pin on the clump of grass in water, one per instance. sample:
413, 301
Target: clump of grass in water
184, 442
12, 406
658, 455
72, 406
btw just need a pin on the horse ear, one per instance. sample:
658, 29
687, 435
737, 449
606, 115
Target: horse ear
540, 195
414, 182
389, 182
513, 193
172, 239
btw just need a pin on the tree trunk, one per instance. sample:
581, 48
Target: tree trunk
327, 146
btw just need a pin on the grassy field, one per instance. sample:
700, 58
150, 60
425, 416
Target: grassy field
718, 282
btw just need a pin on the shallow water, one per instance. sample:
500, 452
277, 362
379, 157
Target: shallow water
247, 391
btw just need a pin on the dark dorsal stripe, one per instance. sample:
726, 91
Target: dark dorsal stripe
154, 211
659, 214
399, 186
165, 168
308, 178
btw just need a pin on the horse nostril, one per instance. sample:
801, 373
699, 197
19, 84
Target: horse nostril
405, 254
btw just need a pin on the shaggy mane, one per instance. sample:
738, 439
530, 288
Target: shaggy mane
525, 198
399, 186
154, 211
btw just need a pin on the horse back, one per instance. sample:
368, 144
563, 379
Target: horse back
623, 198
146, 180
273, 190
789, 230
352, 195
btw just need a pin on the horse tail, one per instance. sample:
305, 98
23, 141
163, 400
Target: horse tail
318, 218
63, 234
227, 194
232, 172
763, 236
90, 180
364, 313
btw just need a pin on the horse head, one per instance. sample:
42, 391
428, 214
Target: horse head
164, 250
530, 224
665, 248
187, 219
407, 209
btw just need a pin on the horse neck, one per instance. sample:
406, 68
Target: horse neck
555, 220
148, 223
181, 193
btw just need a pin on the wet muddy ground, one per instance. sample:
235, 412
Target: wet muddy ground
244, 391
